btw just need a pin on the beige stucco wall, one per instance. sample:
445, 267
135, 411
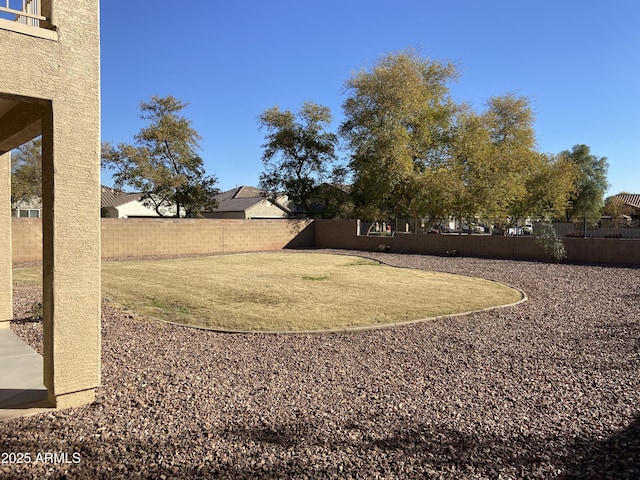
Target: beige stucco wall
62, 72
6, 295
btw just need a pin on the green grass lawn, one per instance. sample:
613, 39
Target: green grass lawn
289, 291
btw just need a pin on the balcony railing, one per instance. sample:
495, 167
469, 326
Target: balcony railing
26, 12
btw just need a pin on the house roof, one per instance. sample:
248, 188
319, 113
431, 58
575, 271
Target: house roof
110, 197
630, 199
242, 191
241, 199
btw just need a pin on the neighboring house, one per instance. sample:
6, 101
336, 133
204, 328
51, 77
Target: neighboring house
27, 208
116, 204
247, 202
626, 204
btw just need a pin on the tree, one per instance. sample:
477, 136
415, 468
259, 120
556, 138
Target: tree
163, 163
495, 170
591, 182
416, 152
398, 119
549, 188
510, 121
473, 174
298, 152
26, 171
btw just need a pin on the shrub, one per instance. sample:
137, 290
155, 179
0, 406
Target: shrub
36, 311
547, 237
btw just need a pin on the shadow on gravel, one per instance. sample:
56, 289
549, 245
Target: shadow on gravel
25, 320
425, 451
354, 450
433, 451
617, 457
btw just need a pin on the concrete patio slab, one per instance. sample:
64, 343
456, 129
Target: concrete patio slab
22, 391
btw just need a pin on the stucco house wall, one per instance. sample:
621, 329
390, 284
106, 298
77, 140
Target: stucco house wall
133, 208
48, 74
266, 209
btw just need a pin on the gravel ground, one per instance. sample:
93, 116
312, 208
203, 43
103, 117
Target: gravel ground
545, 389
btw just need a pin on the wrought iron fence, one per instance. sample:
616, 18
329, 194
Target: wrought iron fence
605, 227
440, 226
377, 229
26, 12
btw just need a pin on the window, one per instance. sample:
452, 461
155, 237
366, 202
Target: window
32, 213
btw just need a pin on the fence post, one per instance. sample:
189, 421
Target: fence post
585, 227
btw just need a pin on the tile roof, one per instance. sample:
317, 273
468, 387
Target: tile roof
631, 199
240, 199
110, 197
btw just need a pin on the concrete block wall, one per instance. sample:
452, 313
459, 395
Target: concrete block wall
617, 251
152, 237
26, 239
148, 237
342, 234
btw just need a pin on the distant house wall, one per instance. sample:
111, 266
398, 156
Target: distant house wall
262, 209
109, 212
29, 208
266, 209
132, 209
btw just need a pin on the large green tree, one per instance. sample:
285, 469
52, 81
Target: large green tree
591, 182
495, 170
415, 152
398, 120
549, 187
163, 163
26, 171
515, 159
299, 151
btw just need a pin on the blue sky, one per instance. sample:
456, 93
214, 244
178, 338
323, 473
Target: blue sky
578, 62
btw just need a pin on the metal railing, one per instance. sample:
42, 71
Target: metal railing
605, 227
26, 12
